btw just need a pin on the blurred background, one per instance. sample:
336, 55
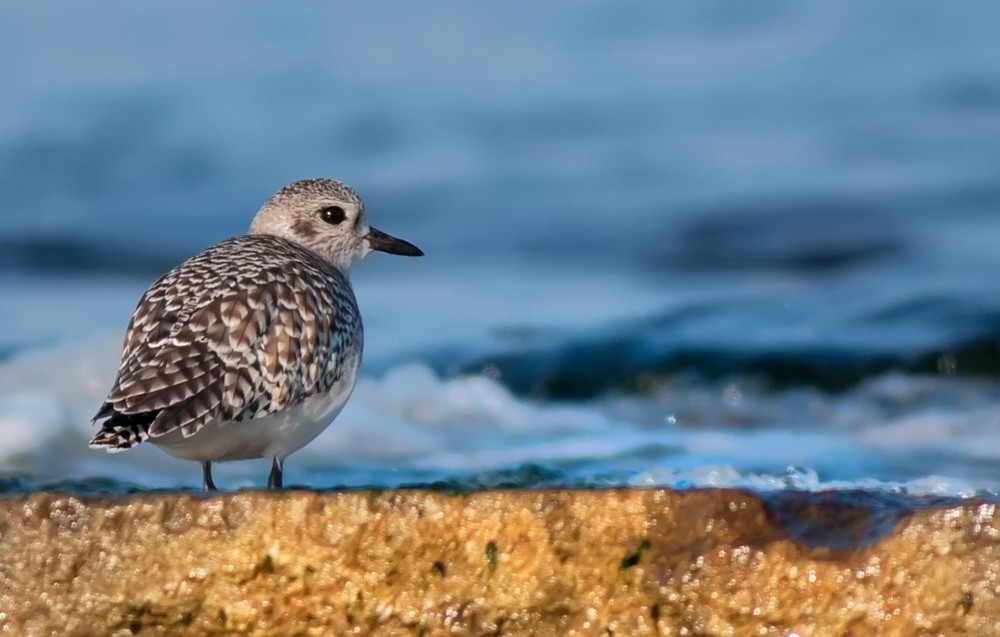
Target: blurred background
721, 244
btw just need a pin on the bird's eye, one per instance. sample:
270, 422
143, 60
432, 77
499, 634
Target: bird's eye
332, 214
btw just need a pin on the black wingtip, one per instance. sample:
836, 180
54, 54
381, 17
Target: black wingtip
106, 410
121, 431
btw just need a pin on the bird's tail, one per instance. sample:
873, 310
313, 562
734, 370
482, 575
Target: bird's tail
121, 431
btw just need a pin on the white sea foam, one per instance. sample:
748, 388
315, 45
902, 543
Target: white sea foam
409, 422
799, 479
409, 417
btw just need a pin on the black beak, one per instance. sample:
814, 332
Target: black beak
383, 242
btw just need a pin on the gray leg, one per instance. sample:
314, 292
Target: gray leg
206, 476
274, 478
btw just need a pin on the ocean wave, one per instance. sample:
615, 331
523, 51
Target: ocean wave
408, 418
924, 336
412, 426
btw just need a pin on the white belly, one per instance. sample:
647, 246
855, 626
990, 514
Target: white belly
275, 436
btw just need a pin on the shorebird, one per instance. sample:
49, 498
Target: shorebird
250, 348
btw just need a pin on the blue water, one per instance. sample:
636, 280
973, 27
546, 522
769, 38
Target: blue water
734, 244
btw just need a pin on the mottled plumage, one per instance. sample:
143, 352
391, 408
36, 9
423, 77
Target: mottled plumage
250, 348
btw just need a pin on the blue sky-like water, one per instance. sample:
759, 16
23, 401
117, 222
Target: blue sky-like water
714, 244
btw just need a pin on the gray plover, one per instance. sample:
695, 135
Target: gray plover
250, 348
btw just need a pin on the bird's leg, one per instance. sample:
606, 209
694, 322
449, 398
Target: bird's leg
274, 478
206, 476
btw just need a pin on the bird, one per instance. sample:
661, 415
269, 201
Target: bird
250, 348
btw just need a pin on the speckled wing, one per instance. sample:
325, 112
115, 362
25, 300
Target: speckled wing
248, 327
